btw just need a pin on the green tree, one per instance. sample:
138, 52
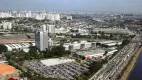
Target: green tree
3, 48
125, 42
105, 53
33, 52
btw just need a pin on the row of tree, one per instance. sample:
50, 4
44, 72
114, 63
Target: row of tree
55, 51
18, 58
93, 68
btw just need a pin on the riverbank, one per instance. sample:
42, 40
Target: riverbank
129, 69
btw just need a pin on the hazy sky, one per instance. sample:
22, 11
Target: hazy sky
132, 6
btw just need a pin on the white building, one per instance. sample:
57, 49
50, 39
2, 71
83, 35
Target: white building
29, 14
50, 42
48, 28
75, 46
83, 31
41, 39
6, 25
69, 17
57, 17
44, 28
110, 43
56, 61
78, 46
53, 17
18, 46
61, 30
92, 53
51, 28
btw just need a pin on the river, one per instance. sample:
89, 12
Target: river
136, 73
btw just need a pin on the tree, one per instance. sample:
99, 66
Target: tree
33, 52
3, 48
55, 51
125, 42
105, 53
2, 27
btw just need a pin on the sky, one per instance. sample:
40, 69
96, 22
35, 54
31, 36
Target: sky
122, 6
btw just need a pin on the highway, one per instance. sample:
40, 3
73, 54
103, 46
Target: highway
111, 70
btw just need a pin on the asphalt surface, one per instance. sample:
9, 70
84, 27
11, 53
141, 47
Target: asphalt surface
112, 69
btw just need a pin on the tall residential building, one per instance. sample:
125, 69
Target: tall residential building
44, 28
41, 39
51, 29
7, 25
57, 17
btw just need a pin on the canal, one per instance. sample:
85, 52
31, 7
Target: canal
136, 73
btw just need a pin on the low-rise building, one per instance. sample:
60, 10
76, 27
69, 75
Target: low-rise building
97, 53
18, 46
79, 45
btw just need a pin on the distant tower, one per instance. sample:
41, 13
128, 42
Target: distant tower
126, 28
57, 17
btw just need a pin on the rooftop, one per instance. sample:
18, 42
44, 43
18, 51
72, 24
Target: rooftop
56, 61
91, 52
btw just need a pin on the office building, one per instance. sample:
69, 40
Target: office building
41, 39
50, 42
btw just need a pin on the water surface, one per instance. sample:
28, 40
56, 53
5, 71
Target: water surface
136, 73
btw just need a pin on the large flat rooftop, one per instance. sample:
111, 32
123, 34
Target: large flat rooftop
91, 52
56, 61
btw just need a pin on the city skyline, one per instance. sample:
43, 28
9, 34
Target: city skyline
121, 6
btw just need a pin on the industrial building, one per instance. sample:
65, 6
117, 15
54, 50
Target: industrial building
79, 45
19, 46
110, 43
111, 51
97, 53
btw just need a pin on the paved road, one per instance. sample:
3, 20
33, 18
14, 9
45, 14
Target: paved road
111, 70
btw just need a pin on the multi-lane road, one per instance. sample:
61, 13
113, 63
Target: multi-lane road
111, 70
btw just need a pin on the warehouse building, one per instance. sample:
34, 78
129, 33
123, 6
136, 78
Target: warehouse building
97, 53
79, 45
19, 46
